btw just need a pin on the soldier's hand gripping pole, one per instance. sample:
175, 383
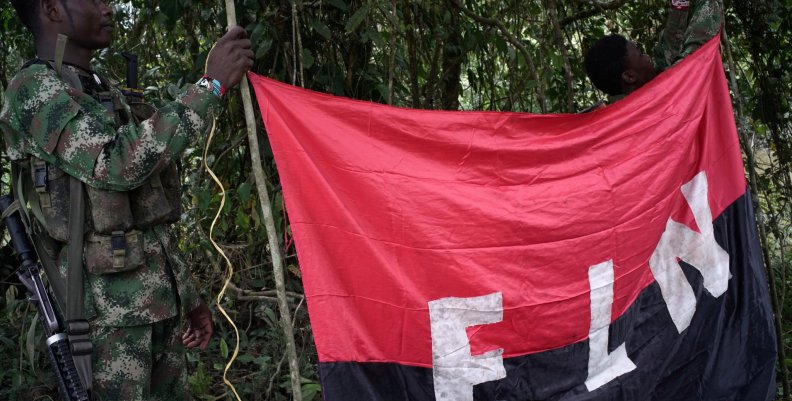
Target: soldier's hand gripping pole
58, 346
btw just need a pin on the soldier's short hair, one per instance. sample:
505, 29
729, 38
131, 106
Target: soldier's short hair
605, 62
27, 11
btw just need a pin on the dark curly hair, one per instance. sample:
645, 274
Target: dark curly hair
27, 11
605, 62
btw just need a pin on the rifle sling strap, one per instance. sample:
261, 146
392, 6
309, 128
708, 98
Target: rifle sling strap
77, 326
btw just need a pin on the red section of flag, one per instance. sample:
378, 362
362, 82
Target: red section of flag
392, 208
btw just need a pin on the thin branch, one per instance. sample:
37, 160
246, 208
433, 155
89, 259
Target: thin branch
275, 375
412, 53
598, 8
234, 146
280, 363
392, 60
552, 8
431, 79
267, 293
294, 45
296, 24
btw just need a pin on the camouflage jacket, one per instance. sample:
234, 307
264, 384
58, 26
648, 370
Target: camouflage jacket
684, 32
48, 119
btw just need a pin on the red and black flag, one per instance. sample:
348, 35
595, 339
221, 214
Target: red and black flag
452, 255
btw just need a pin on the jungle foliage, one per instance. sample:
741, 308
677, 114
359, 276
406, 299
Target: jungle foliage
432, 54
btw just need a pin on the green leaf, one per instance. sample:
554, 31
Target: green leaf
200, 382
202, 198
10, 295
244, 192
255, 36
270, 317
242, 220
223, 348
556, 60
307, 57
321, 29
173, 90
310, 391
357, 18
376, 37
30, 342
262, 360
263, 48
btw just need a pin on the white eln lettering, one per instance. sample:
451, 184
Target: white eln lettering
700, 250
454, 369
602, 366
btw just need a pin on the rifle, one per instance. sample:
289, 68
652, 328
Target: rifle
59, 348
132, 92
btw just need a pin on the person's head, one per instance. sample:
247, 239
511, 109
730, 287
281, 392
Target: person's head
617, 66
87, 23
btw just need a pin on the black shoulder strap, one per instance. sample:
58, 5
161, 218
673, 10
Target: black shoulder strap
33, 62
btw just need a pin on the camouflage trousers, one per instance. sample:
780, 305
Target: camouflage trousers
140, 363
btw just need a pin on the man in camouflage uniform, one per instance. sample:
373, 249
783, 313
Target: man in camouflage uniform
62, 122
617, 66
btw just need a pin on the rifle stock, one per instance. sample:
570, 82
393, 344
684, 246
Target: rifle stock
58, 347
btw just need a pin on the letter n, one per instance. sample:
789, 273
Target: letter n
699, 249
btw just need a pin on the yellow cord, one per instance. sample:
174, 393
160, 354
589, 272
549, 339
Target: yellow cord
228, 262
206, 64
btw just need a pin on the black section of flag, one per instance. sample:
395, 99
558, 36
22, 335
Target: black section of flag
727, 353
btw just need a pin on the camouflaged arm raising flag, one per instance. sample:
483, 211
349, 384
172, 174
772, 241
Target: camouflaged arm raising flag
45, 117
671, 38
686, 31
705, 22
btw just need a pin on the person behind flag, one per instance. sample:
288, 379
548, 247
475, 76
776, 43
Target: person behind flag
61, 121
617, 66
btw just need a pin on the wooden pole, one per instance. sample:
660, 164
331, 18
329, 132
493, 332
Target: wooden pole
269, 223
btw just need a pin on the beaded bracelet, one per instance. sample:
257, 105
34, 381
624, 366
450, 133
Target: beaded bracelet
211, 85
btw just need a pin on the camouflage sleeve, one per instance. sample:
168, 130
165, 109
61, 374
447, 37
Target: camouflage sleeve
671, 38
189, 296
705, 22
69, 129
686, 31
